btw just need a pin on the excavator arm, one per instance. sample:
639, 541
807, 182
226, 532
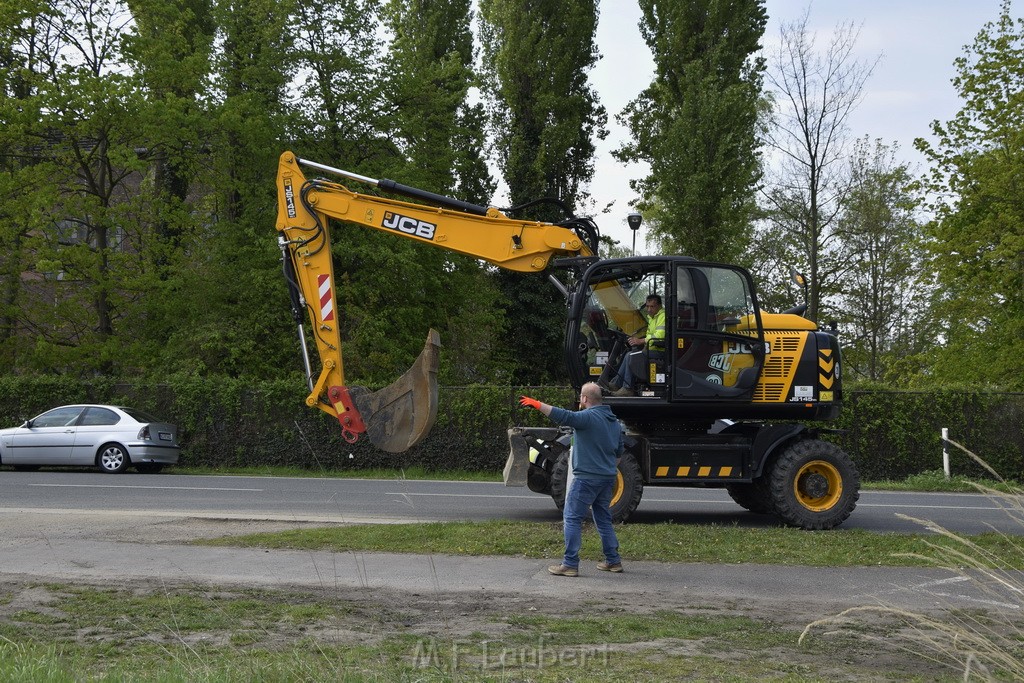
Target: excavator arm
400, 415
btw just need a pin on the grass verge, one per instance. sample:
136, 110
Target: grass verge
660, 542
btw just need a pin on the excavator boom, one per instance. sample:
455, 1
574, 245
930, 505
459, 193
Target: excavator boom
400, 415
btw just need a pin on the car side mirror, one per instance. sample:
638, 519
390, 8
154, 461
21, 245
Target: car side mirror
27, 425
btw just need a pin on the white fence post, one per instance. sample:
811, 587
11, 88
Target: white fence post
945, 451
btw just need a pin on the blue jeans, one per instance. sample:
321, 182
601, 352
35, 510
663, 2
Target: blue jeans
626, 372
596, 495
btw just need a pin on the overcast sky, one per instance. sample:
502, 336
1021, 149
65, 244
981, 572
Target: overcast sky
917, 41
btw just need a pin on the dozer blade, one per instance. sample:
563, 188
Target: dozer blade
401, 414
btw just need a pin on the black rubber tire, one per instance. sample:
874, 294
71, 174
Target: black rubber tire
149, 467
814, 485
559, 478
629, 486
755, 497
112, 458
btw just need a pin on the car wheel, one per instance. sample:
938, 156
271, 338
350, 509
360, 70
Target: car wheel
814, 485
149, 467
113, 458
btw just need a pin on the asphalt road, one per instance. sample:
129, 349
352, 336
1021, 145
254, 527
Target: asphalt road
361, 500
95, 528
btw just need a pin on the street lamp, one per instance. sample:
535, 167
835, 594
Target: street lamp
634, 219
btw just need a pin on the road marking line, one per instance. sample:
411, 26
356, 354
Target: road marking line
929, 507
458, 495
133, 486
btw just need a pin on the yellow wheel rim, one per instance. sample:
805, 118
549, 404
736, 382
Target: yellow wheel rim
818, 486
620, 486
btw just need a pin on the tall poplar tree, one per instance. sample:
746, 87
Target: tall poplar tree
439, 134
546, 116
235, 319
169, 49
696, 125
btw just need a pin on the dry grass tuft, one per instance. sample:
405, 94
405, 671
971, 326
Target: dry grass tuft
983, 645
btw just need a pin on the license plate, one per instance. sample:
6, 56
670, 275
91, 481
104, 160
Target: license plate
164, 436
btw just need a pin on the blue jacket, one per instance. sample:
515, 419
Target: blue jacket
596, 443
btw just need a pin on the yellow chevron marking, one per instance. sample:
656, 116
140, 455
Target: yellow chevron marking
825, 353
661, 472
826, 382
703, 471
683, 472
826, 365
725, 472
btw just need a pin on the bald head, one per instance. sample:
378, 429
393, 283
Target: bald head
592, 392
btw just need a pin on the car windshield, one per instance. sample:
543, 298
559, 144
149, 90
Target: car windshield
139, 416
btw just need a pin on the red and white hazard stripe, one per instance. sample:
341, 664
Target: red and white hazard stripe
326, 300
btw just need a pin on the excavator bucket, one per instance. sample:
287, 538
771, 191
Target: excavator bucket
401, 414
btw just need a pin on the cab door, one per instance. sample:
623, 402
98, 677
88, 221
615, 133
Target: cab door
716, 338
606, 309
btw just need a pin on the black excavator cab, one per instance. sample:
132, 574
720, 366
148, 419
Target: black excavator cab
713, 350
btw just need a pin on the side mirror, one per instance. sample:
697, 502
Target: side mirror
27, 425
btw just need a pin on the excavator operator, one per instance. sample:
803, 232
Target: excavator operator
653, 343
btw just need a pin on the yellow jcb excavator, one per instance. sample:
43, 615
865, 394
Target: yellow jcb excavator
698, 415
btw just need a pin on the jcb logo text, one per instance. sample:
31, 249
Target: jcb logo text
410, 226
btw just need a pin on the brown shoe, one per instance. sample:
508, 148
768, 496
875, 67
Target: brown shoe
624, 391
562, 570
614, 568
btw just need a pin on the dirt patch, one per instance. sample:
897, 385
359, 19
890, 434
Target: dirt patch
480, 632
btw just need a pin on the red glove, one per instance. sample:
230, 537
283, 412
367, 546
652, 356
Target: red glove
528, 402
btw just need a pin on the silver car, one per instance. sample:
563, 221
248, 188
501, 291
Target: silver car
110, 437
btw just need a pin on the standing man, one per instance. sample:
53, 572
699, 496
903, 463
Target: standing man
596, 449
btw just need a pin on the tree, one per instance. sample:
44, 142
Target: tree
884, 295
977, 238
696, 125
430, 67
233, 303
20, 40
440, 136
814, 94
85, 247
545, 117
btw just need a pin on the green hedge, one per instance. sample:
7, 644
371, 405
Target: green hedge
229, 422
891, 435
894, 434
